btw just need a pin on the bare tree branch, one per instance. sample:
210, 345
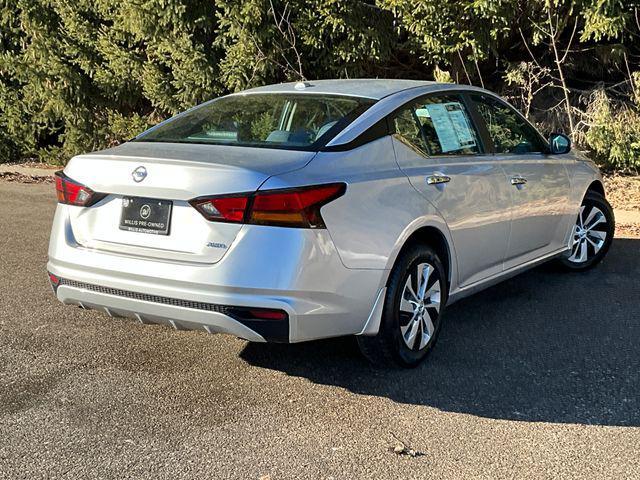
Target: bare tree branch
526, 45
575, 27
284, 26
559, 62
464, 67
475, 60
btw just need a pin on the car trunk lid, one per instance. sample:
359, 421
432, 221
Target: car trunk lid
176, 173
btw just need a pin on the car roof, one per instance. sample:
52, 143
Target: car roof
368, 88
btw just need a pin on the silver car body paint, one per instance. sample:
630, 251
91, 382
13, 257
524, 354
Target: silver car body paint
330, 281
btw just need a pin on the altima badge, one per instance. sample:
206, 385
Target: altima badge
139, 174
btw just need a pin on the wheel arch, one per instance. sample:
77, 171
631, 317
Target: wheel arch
596, 186
435, 238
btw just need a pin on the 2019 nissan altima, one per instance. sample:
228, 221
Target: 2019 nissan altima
295, 212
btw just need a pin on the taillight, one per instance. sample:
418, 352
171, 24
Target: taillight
296, 207
71, 192
222, 209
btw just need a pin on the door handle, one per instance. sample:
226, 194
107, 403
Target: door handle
438, 178
518, 180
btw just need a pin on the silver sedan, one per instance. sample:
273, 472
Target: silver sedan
294, 212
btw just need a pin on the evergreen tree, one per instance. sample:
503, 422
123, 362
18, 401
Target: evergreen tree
78, 75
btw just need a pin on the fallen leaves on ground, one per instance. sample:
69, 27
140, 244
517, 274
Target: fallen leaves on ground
22, 178
623, 191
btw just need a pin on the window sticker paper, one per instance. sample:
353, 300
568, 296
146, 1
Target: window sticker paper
451, 125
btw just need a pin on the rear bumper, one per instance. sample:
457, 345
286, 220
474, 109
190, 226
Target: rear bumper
179, 314
297, 271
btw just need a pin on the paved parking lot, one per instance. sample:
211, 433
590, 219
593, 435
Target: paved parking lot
535, 378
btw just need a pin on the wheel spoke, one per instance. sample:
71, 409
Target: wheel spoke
597, 234
428, 323
424, 339
404, 328
596, 246
573, 239
417, 342
574, 250
579, 254
410, 333
580, 221
406, 306
583, 251
427, 328
432, 296
597, 221
595, 217
408, 301
409, 324
408, 289
424, 272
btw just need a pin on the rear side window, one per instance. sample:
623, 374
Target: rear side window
289, 121
508, 131
438, 125
406, 128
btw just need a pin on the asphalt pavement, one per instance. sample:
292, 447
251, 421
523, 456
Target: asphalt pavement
538, 377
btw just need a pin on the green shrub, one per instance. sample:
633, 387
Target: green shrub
613, 133
83, 75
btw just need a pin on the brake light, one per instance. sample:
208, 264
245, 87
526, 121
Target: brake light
222, 209
297, 207
71, 192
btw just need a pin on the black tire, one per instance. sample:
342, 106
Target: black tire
571, 260
389, 348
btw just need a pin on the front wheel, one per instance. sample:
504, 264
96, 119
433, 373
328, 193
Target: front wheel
592, 234
414, 304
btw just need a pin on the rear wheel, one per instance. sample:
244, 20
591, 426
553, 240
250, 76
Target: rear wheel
412, 313
592, 234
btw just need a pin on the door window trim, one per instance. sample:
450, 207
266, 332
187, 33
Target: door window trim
386, 126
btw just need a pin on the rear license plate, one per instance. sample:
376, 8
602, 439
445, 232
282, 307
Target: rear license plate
146, 215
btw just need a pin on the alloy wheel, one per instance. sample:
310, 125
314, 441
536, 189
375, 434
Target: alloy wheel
420, 306
589, 234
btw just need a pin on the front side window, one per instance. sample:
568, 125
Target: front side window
290, 121
438, 125
508, 131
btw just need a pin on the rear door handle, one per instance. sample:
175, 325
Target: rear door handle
518, 180
438, 178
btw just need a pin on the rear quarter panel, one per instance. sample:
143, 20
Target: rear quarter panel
380, 209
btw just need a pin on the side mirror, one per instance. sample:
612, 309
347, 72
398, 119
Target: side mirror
559, 144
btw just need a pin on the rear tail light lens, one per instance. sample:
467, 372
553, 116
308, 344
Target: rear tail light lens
298, 207
71, 192
222, 209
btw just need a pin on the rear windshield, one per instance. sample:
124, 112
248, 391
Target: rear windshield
290, 121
